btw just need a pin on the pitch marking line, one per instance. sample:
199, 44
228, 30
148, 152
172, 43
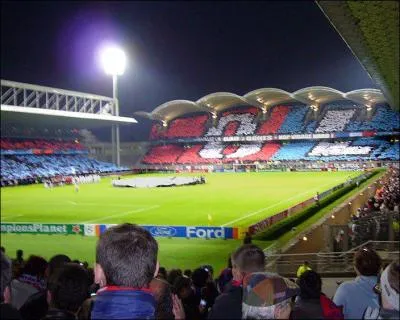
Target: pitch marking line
271, 206
103, 204
123, 214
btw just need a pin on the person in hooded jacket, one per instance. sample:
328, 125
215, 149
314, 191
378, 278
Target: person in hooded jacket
312, 303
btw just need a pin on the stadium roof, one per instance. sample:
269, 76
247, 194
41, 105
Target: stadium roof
33, 105
263, 98
371, 30
35, 117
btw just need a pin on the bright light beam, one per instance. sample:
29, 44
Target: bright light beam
113, 60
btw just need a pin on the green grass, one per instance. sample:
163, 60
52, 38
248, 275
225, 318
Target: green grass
233, 199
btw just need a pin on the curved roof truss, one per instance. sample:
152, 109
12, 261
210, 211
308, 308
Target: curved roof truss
263, 98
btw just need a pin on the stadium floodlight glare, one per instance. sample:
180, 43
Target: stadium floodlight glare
113, 60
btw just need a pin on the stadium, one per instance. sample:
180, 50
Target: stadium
309, 175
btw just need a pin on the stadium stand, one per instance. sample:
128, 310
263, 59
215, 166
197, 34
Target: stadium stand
23, 159
384, 119
294, 121
244, 124
187, 127
163, 154
274, 122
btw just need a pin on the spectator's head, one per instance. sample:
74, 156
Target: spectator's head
126, 255
187, 273
390, 287
3, 249
6, 275
310, 285
20, 254
209, 269
267, 296
163, 296
246, 259
35, 266
367, 262
68, 287
183, 287
162, 273
56, 262
200, 277
306, 263
173, 274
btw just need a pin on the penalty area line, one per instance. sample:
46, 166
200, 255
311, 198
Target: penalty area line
123, 214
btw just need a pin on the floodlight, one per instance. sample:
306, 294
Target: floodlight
113, 60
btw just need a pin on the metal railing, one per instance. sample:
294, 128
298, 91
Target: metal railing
328, 262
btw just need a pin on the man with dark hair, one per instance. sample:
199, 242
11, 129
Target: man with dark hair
36, 306
357, 295
312, 303
67, 289
126, 262
245, 260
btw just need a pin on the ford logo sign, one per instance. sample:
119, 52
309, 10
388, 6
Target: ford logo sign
163, 231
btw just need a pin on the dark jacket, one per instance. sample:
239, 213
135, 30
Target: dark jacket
229, 304
322, 308
7, 311
307, 309
35, 307
56, 314
123, 303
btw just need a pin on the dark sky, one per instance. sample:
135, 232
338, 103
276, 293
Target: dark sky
176, 50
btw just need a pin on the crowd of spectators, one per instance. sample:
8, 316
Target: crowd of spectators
373, 149
127, 282
28, 144
371, 220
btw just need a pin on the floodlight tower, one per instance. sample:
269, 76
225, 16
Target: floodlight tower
114, 62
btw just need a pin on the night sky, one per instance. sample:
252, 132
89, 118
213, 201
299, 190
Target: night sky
176, 50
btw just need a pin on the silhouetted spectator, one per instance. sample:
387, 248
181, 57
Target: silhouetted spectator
163, 295
173, 274
184, 290
247, 239
7, 311
36, 306
225, 276
245, 260
162, 273
31, 280
357, 295
67, 289
126, 262
187, 273
312, 303
18, 263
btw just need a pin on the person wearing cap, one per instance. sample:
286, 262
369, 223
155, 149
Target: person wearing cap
388, 289
267, 296
246, 259
357, 295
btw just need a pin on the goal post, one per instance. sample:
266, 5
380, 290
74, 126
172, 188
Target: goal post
246, 167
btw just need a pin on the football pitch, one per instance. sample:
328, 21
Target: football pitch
230, 199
